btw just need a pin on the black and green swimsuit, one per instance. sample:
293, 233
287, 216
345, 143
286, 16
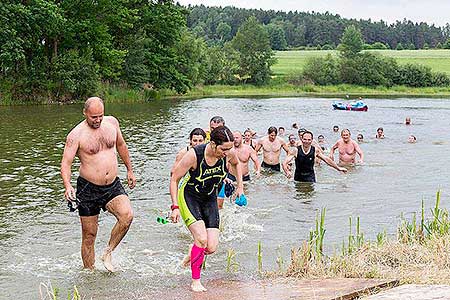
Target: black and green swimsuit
197, 195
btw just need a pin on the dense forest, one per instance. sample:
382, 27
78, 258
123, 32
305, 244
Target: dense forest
59, 51
301, 29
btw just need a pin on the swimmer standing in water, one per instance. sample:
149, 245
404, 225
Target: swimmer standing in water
305, 156
248, 138
348, 149
271, 145
196, 199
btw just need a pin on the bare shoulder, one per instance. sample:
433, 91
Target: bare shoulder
76, 132
111, 120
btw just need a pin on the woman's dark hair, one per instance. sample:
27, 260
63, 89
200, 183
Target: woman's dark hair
272, 129
221, 134
197, 131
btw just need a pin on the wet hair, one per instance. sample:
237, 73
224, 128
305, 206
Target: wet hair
197, 131
217, 119
308, 132
221, 134
360, 135
414, 137
301, 130
295, 125
320, 136
281, 127
380, 128
248, 130
272, 129
346, 130
335, 126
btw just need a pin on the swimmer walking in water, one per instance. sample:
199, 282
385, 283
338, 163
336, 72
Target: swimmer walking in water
348, 149
96, 141
196, 199
271, 145
305, 156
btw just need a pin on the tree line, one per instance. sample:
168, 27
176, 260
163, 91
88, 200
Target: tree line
63, 50
319, 30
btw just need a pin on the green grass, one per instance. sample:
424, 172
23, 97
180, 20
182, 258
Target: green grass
289, 62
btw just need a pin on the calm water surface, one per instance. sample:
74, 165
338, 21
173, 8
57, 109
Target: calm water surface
40, 239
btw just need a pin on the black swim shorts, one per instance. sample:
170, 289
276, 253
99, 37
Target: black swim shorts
91, 197
233, 178
271, 167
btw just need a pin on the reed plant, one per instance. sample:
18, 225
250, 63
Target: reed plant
259, 257
48, 292
232, 264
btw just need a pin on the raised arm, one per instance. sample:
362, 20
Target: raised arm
189, 161
124, 154
70, 150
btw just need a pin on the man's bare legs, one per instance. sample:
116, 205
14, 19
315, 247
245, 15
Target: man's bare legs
120, 207
89, 227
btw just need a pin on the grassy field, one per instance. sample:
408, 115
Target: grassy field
293, 61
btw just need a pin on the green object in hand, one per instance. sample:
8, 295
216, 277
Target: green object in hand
162, 220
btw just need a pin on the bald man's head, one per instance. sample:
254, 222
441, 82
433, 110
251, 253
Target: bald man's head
93, 111
237, 138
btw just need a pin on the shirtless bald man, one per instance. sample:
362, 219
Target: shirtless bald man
271, 145
348, 149
96, 141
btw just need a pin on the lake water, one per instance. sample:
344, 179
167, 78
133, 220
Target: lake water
40, 238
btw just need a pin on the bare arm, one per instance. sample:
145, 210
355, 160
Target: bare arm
255, 159
335, 146
124, 154
359, 151
70, 150
258, 145
288, 159
330, 162
236, 167
189, 161
178, 158
285, 146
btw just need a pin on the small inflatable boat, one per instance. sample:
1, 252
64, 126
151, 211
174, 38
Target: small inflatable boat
356, 106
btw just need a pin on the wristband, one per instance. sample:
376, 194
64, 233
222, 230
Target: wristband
173, 207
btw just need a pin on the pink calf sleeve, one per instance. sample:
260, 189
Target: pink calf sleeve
197, 256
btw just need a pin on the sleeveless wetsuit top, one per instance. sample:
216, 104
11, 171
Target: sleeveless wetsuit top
304, 163
204, 181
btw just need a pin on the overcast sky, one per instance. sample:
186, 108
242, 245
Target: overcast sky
430, 11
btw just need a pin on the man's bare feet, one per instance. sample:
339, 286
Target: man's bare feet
107, 260
197, 286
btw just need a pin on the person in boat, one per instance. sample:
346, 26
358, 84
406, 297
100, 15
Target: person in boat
271, 146
380, 133
348, 149
196, 199
305, 156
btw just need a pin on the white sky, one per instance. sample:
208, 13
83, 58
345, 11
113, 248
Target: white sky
430, 11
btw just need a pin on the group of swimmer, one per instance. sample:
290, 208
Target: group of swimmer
216, 158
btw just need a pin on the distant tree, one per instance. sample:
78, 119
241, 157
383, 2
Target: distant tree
446, 44
411, 46
399, 46
277, 37
223, 30
351, 42
439, 45
426, 46
255, 54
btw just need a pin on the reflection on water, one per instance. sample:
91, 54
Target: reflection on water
40, 239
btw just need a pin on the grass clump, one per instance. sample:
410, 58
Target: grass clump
420, 253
